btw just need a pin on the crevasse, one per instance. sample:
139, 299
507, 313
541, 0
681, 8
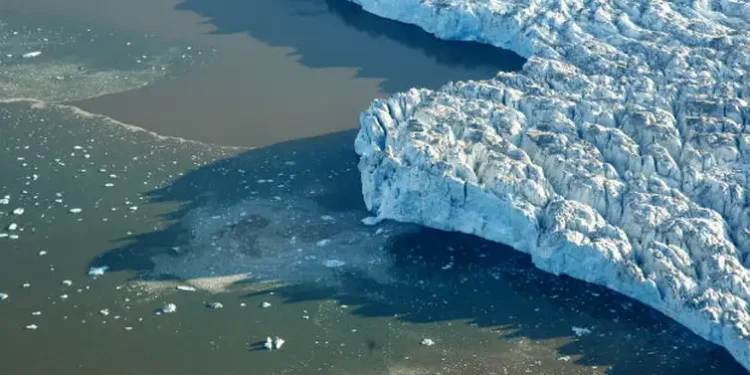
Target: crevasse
618, 155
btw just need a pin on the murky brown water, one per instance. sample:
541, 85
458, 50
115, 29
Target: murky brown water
278, 224
287, 69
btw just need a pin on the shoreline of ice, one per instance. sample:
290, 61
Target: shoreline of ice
618, 155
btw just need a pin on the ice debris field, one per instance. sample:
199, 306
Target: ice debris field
618, 155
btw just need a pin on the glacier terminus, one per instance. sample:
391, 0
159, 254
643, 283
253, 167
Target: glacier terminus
619, 155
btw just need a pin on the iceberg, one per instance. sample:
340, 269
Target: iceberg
618, 155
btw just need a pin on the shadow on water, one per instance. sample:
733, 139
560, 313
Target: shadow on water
436, 276
322, 37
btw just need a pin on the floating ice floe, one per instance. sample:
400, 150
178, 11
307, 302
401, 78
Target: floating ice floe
278, 342
104, 312
36, 313
3, 296
169, 308
19, 211
66, 282
334, 263
32, 327
581, 331
98, 271
186, 288
12, 227
75, 210
265, 305
29, 55
618, 155
216, 305
427, 342
269, 343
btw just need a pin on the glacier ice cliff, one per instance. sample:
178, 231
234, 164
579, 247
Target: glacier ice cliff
618, 155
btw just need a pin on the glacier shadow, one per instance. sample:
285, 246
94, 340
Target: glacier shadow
435, 276
339, 34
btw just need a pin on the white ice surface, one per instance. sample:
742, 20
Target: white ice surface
616, 156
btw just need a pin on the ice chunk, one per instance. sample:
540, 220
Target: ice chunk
29, 55
32, 327
169, 308
265, 305
98, 271
216, 305
278, 342
269, 343
334, 263
67, 282
186, 288
104, 312
581, 331
18, 211
427, 342
12, 226
75, 210
4, 296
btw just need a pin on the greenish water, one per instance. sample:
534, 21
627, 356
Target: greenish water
278, 224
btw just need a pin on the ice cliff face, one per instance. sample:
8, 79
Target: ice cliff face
619, 155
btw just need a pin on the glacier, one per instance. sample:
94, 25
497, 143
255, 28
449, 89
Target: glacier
618, 155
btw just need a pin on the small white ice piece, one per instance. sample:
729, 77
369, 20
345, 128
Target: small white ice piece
581, 331
186, 288
12, 226
265, 305
67, 282
32, 327
29, 55
333, 263
324, 242
104, 312
216, 305
18, 211
269, 343
169, 308
3, 296
278, 342
98, 271
75, 210
427, 342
